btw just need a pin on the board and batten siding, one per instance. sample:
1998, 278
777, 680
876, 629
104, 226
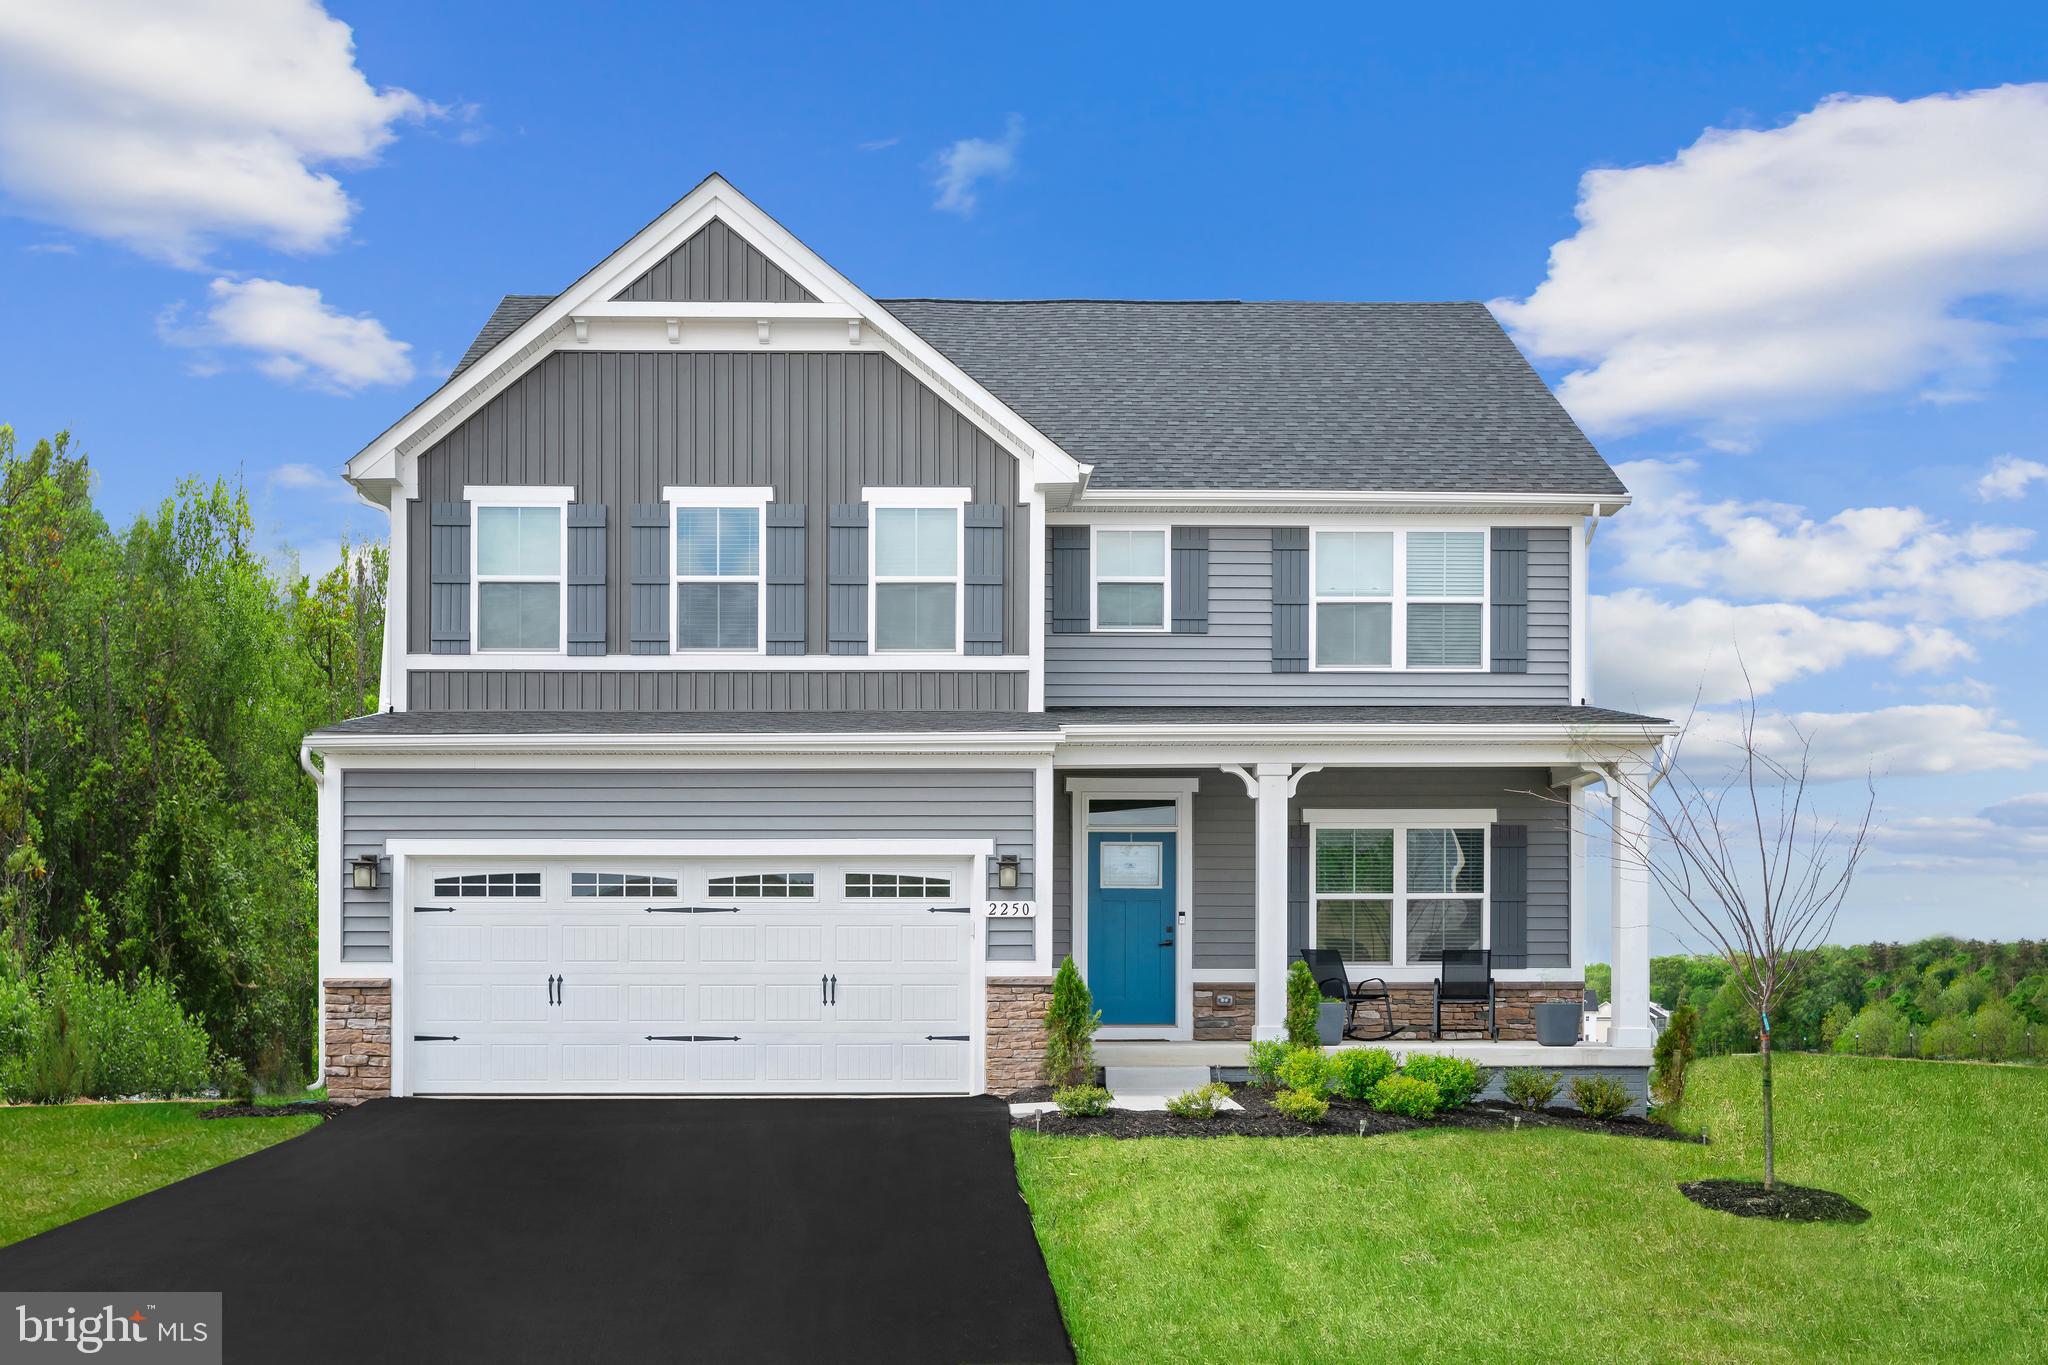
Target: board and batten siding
619, 426
378, 805
483, 689
1233, 663
1226, 882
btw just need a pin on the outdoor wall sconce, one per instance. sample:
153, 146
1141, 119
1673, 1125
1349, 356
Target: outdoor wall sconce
363, 871
1006, 872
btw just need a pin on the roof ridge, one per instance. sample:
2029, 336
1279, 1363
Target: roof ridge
1196, 303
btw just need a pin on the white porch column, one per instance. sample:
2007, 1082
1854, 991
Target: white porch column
1274, 785
1630, 953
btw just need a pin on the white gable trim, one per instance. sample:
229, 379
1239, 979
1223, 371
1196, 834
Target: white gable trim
587, 306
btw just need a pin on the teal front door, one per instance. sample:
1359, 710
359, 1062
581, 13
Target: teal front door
1131, 911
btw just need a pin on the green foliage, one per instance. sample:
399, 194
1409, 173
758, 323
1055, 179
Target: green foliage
1456, 1080
1199, 1103
1835, 1023
1876, 1031
1266, 1057
1411, 1096
2000, 1032
1601, 1097
1304, 1003
1305, 1068
93, 1037
1303, 1106
55, 1069
236, 1085
1531, 1087
1673, 1054
1070, 1023
1082, 1101
1600, 977
1354, 1071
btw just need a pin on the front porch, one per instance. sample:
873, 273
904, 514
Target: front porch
1235, 1056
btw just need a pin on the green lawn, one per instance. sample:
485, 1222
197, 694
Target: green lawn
1553, 1245
65, 1161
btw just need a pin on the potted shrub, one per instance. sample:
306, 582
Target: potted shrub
1558, 1022
1311, 1019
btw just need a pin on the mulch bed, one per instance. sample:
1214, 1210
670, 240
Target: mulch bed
1260, 1119
1787, 1203
326, 1109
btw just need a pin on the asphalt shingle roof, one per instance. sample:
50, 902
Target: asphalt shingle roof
690, 723
1346, 715
512, 312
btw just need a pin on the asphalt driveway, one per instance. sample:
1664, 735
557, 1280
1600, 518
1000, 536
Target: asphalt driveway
627, 1230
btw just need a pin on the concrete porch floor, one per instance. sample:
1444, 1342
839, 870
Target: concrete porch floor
1161, 1053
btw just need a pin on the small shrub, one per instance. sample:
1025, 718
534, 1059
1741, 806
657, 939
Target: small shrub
1531, 1087
1199, 1103
235, 1083
1305, 1068
1356, 1070
1601, 1097
1410, 1096
55, 1069
1303, 1106
1304, 1003
1456, 1080
1266, 1058
1070, 1023
1082, 1101
1673, 1055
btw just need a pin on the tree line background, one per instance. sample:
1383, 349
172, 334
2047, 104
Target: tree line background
157, 835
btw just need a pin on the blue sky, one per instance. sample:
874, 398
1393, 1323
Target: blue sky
1809, 328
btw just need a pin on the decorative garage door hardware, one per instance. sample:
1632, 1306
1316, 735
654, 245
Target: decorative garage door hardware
945, 1037
435, 1038
554, 989
693, 909
828, 990
693, 1037
951, 910
433, 909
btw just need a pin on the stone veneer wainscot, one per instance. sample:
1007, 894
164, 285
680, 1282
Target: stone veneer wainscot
356, 1040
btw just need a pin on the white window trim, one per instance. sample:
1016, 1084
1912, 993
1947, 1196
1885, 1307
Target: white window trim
952, 500
1164, 578
754, 497
481, 496
1400, 822
1398, 654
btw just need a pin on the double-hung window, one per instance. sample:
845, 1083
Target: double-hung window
916, 563
1130, 590
718, 567
520, 564
1399, 599
1399, 890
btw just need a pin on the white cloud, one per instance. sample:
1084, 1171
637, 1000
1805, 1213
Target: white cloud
1704, 645
1875, 561
2008, 478
2010, 835
1760, 272
1897, 741
971, 160
296, 337
880, 144
306, 478
170, 128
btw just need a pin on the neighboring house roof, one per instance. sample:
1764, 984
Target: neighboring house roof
1376, 397
1346, 715
428, 723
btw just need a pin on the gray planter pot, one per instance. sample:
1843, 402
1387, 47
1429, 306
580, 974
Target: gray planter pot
1557, 1023
1330, 1022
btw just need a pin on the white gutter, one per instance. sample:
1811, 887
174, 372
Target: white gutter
306, 762
1268, 734
1038, 741
1267, 497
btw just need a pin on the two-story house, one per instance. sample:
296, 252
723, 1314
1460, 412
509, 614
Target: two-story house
779, 682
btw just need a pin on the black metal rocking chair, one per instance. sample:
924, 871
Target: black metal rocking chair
1467, 978
1327, 965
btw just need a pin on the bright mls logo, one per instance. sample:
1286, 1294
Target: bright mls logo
167, 1327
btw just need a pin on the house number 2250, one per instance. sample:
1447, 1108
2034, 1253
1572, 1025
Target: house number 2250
1010, 909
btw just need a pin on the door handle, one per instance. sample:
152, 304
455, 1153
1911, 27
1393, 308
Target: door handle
551, 990
823, 997
835, 988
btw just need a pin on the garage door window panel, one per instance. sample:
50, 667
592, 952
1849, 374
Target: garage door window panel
765, 886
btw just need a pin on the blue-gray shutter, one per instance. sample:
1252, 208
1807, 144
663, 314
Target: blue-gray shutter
785, 566
1191, 580
986, 552
1509, 882
1070, 575
448, 578
648, 553
1301, 929
586, 577
1510, 600
1290, 599
846, 605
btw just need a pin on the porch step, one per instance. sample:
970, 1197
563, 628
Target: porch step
1153, 1080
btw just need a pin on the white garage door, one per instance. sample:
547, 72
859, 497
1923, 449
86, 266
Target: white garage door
765, 977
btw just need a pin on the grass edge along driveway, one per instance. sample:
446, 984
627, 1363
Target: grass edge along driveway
1554, 1245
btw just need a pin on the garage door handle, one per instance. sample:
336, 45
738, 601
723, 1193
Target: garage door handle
951, 910
835, 990
945, 1038
435, 1038
693, 1037
551, 990
824, 995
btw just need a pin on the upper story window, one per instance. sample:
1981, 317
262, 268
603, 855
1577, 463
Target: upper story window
520, 563
718, 567
1399, 599
1399, 890
1130, 588
916, 563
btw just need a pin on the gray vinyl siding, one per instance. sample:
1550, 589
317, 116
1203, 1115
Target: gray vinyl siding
818, 427
1233, 663
839, 804
1226, 883
716, 265
483, 689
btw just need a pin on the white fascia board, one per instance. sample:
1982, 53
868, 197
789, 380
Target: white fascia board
1634, 736
1297, 501
883, 845
1035, 743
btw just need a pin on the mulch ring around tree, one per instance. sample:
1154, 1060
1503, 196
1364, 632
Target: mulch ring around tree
1787, 1203
326, 1109
1260, 1119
